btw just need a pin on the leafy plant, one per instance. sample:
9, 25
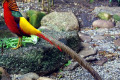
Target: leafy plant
68, 63
111, 1
91, 1
116, 18
12, 42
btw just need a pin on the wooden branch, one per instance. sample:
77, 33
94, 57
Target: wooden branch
75, 56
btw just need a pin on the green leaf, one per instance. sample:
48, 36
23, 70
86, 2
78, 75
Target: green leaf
91, 1
12, 42
116, 18
69, 62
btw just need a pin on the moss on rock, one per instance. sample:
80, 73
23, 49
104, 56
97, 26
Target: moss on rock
41, 58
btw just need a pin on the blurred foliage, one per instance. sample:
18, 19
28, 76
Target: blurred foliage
12, 42
112, 0
91, 1
116, 18
35, 17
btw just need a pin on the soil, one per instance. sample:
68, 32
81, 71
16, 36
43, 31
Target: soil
82, 9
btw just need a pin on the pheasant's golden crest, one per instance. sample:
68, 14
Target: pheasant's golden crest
12, 5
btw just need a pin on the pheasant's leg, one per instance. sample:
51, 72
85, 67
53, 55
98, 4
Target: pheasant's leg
19, 43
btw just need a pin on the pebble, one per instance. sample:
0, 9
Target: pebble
85, 38
111, 69
117, 42
98, 37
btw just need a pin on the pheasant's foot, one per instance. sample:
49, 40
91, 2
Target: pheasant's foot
19, 43
16, 47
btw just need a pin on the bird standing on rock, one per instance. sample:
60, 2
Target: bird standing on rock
18, 24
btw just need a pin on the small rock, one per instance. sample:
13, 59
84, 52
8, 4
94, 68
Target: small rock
118, 24
23, 78
90, 59
102, 24
72, 66
101, 61
109, 38
102, 30
104, 16
44, 78
15, 76
98, 37
87, 52
84, 37
28, 76
32, 75
84, 45
3, 74
110, 10
117, 42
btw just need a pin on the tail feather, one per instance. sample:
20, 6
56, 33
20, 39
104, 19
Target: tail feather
40, 35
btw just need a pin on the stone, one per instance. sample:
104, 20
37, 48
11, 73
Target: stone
3, 74
87, 52
84, 37
32, 75
90, 59
72, 66
118, 24
45, 57
45, 78
2, 70
98, 37
23, 78
60, 21
110, 10
102, 30
117, 42
104, 15
102, 24
28, 76
84, 45
101, 61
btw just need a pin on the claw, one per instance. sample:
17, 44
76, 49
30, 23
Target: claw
19, 43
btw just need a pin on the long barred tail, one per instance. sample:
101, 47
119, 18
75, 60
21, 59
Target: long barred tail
40, 35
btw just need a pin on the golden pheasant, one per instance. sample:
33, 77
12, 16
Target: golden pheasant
18, 24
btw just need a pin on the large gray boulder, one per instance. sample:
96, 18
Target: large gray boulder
60, 21
40, 58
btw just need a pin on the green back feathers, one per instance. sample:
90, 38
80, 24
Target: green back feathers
16, 14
